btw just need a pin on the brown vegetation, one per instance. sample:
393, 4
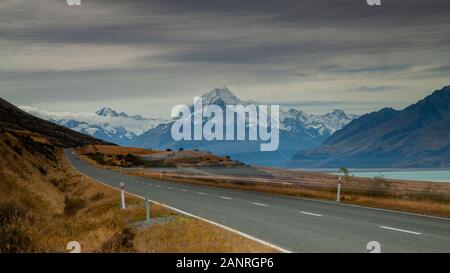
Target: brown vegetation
44, 204
416, 197
116, 157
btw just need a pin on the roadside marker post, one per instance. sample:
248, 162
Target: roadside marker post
122, 194
147, 210
338, 194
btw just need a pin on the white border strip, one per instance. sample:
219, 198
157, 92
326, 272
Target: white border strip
283, 250
312, 214
401, 230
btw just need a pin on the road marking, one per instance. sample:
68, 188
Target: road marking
202, 193
259, 204
312, 214
224, 197
170, 188
159, 186
189, 214
401, 230
183, 190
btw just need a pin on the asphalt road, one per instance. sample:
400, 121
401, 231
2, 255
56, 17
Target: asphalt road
293, 224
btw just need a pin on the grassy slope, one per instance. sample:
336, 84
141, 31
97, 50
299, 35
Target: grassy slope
44, 204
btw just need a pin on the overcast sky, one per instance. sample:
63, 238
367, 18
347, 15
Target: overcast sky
144, 56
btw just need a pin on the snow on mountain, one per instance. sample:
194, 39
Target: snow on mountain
325, 124
298, 131
221, 96
106, 123
291, 119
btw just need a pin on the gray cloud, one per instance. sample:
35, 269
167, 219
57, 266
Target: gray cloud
111, 50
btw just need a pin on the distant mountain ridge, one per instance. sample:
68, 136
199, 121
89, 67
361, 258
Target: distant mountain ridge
298, 130
417, 136
107, 124
13, 118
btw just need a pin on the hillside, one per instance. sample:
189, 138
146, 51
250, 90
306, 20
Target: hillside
417, 136
13, 118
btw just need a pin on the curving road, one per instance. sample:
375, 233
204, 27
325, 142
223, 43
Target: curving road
292, 224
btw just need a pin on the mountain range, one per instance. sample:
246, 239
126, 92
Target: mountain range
417, 136
14, 119
106, 123
298, 130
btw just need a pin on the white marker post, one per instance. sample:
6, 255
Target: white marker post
147, 210
338, 194
122, 194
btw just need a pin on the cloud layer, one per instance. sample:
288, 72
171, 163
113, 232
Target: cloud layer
145, 56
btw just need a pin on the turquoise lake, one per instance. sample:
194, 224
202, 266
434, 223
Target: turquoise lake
418, 175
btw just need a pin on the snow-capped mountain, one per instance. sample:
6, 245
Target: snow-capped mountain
106, 123
298, 131
323, 125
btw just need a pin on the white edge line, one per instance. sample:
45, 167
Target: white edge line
259, 204
224, 197
312, 214
323, 201
401, 230
283, 250
332, 202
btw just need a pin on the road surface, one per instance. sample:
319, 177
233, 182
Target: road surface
292, 224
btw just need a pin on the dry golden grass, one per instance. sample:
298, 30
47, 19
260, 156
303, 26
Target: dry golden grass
191, 235
34, 218
184, 158
416, 203
114, 150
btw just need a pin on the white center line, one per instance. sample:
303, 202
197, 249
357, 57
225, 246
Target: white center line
312, 214
401, 230
202, 193
170, 188
224, 197
183, 190
259, 204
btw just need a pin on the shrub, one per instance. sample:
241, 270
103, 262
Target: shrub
98, 157
42, 171
121, 242
13, 236
98, 196
73, 204
60, 184
17, 149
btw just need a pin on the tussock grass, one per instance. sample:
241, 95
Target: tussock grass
423, 202
42, 213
